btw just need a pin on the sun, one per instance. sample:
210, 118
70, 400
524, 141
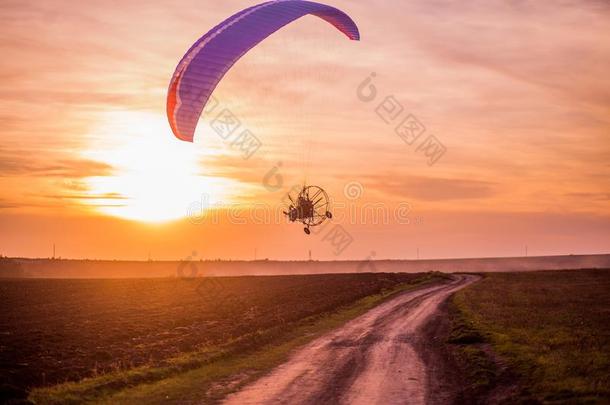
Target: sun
156, 177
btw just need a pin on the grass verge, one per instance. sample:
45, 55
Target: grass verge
211, 374
548, 331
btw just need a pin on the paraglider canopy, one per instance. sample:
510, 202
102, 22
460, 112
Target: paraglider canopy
207, 61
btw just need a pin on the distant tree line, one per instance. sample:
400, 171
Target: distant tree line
10, 268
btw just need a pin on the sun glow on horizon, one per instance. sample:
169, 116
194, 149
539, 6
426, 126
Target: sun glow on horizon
156, 176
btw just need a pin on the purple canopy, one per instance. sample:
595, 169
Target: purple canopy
207, 61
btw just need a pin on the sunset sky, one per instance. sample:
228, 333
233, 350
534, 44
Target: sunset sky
518, 93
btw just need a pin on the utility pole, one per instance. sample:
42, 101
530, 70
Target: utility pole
309, 254
53, 250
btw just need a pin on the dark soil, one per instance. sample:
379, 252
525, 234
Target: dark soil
52, 331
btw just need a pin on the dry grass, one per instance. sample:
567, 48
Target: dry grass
552, 328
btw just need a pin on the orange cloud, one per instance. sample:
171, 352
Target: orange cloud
517, 93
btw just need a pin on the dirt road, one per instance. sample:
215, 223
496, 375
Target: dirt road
370, 360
